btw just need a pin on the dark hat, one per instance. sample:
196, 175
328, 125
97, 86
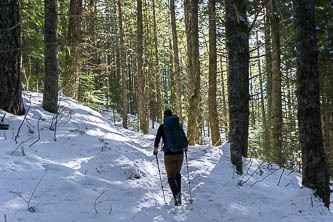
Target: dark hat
167, 113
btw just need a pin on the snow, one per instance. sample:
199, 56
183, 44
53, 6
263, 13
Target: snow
96, 171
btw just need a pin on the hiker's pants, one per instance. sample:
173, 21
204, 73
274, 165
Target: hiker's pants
173, 164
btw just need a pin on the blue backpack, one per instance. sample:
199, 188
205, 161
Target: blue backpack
175, 139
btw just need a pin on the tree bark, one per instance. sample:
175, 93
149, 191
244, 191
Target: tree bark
268, 67
252, 90
72, 62
158, 106
192, 37
50, 96
141, 78
212, 106
262, 101
224, 102
123, 66
237, 36
147, 71
172, 79
276, 107
314, 163
177, 73
10, 58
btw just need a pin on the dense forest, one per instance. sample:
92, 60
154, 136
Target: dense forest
258, 72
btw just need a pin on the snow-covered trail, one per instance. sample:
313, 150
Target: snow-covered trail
151, 206
217, 193
94, 171
97, 172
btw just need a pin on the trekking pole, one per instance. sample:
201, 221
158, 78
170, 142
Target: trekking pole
188, 177
159, 171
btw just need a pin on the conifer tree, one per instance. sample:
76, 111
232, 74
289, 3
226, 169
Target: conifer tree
193, 68
72, 61
314, 162
50, 95
237, 38
213, 115
10, 58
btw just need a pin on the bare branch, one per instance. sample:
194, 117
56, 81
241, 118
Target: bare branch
25, 116
33, 192
30, 208
251, 161
3, 118
95, 203
252, 174
55, 126
2, 125
38, 133
265, 177
20, 145
280, 177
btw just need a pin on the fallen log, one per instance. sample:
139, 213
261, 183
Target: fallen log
4, 126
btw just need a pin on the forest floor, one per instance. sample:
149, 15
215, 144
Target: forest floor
95, 171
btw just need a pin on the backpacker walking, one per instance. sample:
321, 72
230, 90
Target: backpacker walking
174, 145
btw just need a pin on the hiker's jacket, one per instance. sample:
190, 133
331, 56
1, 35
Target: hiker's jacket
160, 133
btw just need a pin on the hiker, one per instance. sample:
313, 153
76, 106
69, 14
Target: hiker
174, 145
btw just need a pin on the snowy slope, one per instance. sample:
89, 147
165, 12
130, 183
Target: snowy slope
95, 171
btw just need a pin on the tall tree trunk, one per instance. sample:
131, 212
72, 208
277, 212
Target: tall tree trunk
72, 62
262, 101
241, 6
224, 102
327, 121
50, 95
237, 36
130, 86
10, 58
141, 78
314, 161
192, 36
276, 111
176, 61
212, 106
268, 67
147, 70
155, 79
123, 66
171, 80
158, 73
253, 113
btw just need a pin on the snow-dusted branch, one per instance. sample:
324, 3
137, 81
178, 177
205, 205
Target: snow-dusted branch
242, 183
28, 201
3, 118
20, 145
280, 177
251, 161
98, 201
95, 203
258, 181
38, 133
55, 126
25, 116
2, 125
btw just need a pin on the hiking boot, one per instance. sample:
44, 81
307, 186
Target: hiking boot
175, 191
178, 199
